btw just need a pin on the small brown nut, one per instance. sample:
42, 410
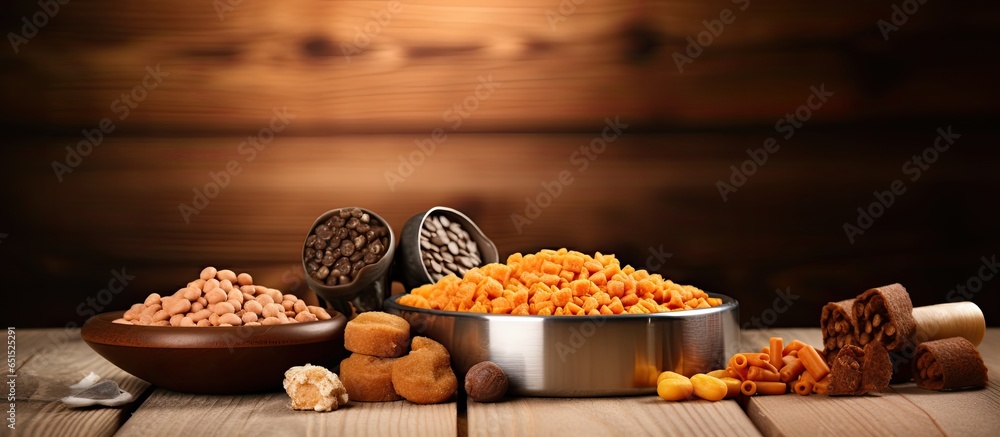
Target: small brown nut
272, 310
486, 382
226, 285
264, 299
249, 317
210, 285
153, 298
300, 306
161, 315
192, 294
231, 319
226, 274
244, 279
216, 296
180, 306
224, 308
208, 273
254, 307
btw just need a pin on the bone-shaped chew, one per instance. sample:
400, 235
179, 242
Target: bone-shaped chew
884, 314
949, 364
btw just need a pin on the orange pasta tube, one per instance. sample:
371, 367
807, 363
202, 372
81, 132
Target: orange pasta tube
787, 359
808, 377
776, 351
771, 388
760, 360
740, 363
815, 364
732, 386
793, 346
766, 350
791, 371
732, 373
820, 387
748, 388
761, 374
803, 387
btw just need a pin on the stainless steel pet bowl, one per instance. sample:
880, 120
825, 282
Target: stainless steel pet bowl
582, 356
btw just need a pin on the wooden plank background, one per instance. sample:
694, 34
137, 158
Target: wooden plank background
605, 57
653, 188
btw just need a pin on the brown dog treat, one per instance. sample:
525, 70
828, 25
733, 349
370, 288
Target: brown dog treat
424, 376
884, 314
876, 369
378, 334
845, 372
368, 378
837, 325
949, 364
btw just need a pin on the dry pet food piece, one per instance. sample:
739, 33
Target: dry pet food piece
314, 388
558, 283
837, 325
222, 298
885, 314
949, 364
368, 378
424, 376
858, 371
485, 382
378, 334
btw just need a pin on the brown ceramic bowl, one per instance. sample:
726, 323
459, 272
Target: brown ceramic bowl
216, 360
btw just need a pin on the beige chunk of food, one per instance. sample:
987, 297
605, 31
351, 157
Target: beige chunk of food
314, 388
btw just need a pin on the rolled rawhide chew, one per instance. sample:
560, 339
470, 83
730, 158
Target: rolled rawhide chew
876, 369
884, 314
856, 371
837, 325
949, 364
845, 372
946, 320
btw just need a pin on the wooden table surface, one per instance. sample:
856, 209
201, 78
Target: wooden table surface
49, 357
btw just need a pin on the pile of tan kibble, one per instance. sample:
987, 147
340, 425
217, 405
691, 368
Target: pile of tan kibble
222, 298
